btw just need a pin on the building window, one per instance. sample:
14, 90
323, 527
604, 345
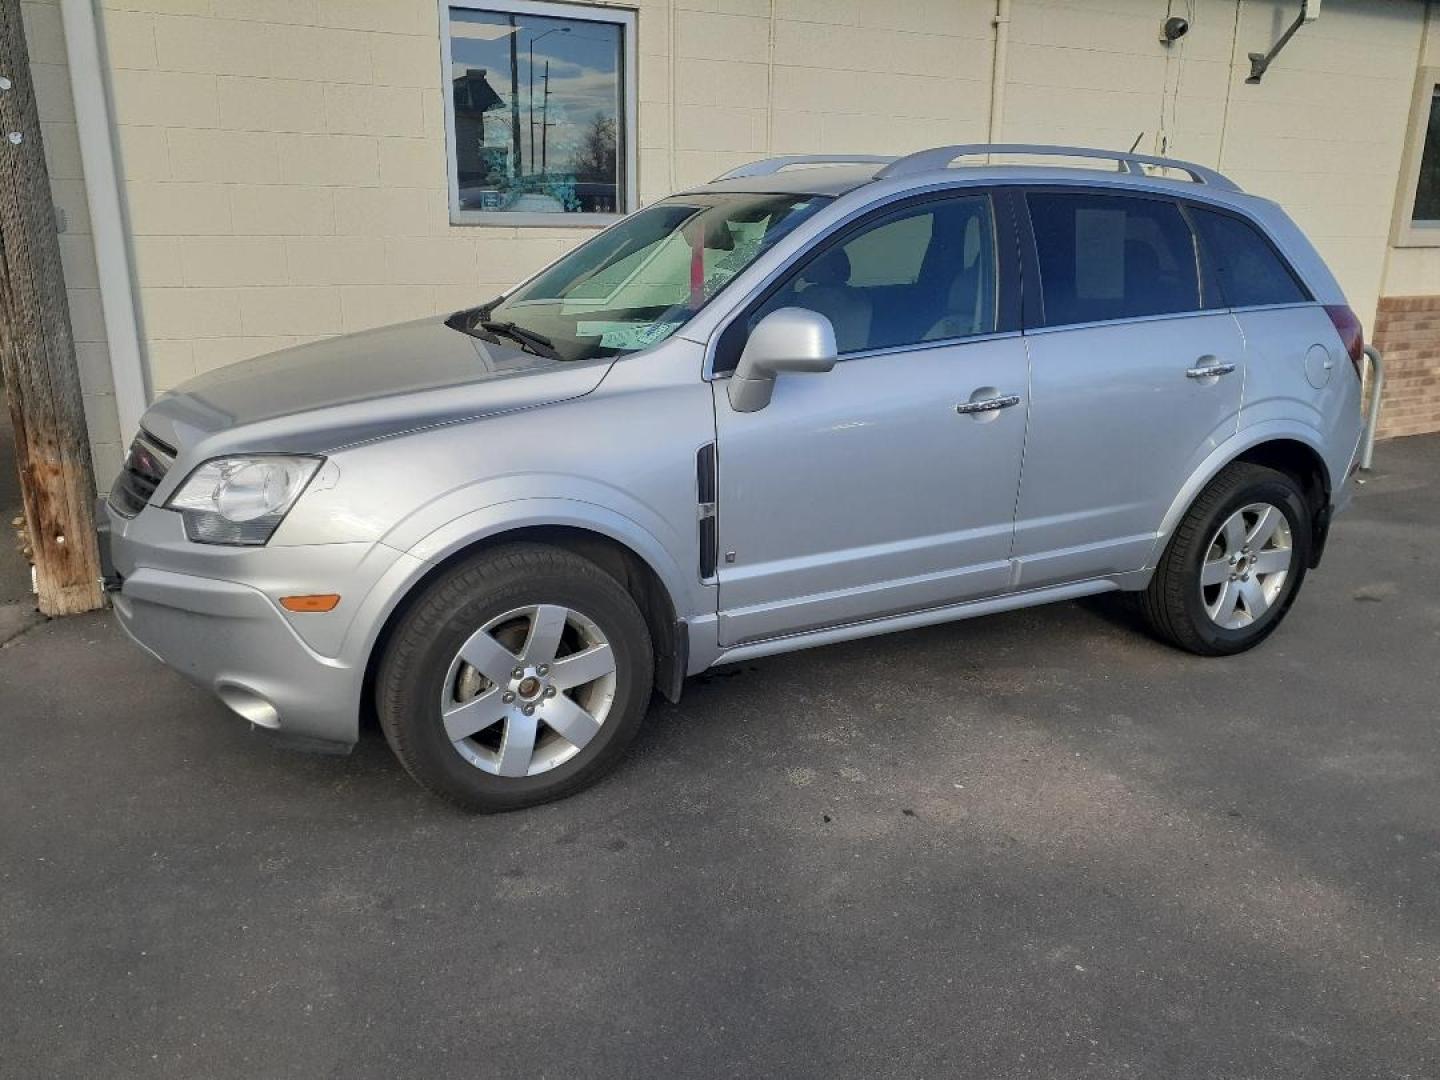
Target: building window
540, 114
1417, 203
1426, 210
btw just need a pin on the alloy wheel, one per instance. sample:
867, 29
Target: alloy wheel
529, 690
1246, 565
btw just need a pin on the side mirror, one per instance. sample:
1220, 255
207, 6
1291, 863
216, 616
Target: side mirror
789, 339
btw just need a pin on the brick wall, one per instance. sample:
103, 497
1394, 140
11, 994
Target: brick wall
1407, 332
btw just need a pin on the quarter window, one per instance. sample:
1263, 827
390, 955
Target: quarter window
540, 108
1112, 257
925, 273
1248, 268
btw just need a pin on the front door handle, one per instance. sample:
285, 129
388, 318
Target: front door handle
1209, 371
985, 405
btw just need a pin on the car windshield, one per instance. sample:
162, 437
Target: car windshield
637, 283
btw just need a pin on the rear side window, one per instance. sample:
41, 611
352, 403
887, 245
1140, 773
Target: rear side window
1112, 257
1247, 266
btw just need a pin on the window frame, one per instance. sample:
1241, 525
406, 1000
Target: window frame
1403, 230
628, 154
1033, 297
728, 341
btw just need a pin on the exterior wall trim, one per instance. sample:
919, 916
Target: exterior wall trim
1403, 230
89, 86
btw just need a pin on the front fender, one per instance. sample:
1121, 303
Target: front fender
489, 521
619, 518
427, 543
1224, 454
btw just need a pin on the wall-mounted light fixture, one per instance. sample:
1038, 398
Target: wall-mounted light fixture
1260, 62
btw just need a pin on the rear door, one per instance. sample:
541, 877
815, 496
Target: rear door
1296, 369
879, 487
1137, 374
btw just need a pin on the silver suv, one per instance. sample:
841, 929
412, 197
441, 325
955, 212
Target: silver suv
815, 400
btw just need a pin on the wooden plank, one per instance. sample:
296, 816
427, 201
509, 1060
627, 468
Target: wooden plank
37, 352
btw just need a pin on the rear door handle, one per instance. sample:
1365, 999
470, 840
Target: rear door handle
1209, 371
994, 404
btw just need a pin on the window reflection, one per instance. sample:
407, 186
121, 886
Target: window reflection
539, 113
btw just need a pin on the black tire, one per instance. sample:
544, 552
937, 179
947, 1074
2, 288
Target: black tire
417, 659
1172, 604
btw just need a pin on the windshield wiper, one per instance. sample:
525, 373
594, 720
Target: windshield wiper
466, 320
477, 323
529, 340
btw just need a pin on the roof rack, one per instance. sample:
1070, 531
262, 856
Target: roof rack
767, 166
941, 156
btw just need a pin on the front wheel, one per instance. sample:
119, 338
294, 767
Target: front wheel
517, 677
1234, 565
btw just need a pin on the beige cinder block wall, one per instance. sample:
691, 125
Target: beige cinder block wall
285, 159
48, 67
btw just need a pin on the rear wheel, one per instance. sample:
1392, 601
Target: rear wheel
1234, 565
518, 677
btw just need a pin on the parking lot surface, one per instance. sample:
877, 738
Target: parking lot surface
1032, 845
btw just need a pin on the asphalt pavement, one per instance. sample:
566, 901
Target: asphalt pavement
1033, 845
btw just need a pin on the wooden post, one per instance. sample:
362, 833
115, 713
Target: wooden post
37, 352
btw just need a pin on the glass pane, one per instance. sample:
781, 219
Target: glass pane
637, 283
1112, 257
1249, 270
1427, 190
539, 113
927, 273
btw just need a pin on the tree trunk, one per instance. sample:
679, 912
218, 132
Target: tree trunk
37, 352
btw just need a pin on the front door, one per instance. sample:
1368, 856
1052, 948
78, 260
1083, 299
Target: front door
879, 487
1137, 374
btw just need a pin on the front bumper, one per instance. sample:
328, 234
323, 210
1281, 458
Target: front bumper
212, 614
230, 639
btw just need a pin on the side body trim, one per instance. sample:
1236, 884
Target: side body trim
929, 617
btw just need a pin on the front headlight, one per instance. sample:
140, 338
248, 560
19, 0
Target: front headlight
241, 500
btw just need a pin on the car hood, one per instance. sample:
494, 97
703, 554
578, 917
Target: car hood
318, 397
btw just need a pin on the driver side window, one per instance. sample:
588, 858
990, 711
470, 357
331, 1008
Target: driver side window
924, 273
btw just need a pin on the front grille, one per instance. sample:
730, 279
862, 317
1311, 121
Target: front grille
145, 466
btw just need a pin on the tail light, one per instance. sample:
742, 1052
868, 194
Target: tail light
1352, 334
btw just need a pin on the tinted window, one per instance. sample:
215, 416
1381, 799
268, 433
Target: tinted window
1248, 269
1112, 257
1427, 188
925, 273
